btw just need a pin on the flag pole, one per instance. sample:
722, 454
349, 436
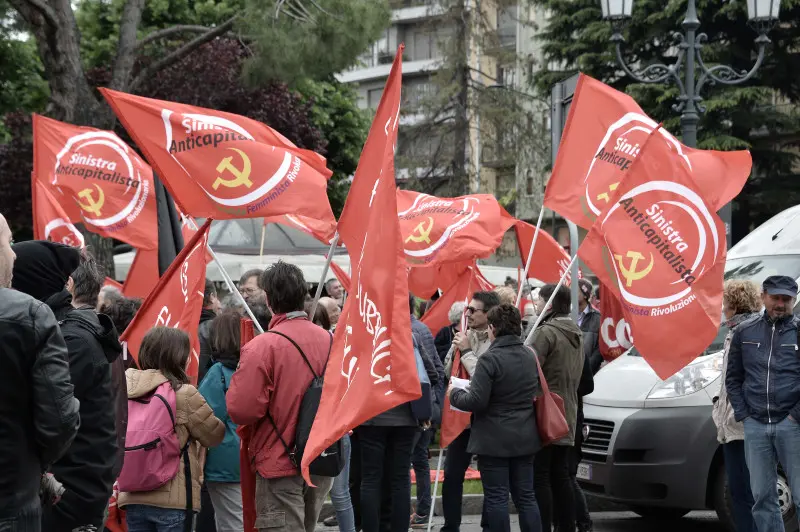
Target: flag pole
261, 250
234, 290
435, 489
227, 279
328, 260
550, 301
530, 254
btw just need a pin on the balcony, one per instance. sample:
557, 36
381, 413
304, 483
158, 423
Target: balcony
372, 70
408, 11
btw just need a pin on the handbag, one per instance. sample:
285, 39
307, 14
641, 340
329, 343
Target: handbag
551, 420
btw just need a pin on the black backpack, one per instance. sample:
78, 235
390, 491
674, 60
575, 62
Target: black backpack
331, 462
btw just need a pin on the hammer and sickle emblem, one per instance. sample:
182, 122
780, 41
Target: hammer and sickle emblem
92, 206
424, 234
604, 196
241, 177
632, 274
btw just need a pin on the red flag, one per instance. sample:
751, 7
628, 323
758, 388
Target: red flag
188, 229
615, 333
549, 258
604, 134
176, 301
50, 222
247, 473
143, 275
372, 367
322, 230
222, 165
661, 249
98, 180
424, 282
342, 276
372, 164
453, 421
439, 230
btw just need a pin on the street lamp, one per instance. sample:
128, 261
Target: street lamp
762, 15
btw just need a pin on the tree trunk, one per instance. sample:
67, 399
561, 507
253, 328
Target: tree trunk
72, 99
459, 184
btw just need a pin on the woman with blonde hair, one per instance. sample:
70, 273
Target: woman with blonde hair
741, 302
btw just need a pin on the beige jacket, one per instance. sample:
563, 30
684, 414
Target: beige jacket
195, 420
479, 340
728, 429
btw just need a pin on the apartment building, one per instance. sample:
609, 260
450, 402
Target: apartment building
499, 64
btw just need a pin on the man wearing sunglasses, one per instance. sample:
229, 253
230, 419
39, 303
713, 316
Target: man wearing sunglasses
472, 344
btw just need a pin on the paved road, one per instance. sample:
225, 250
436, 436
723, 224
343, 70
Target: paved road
611, 522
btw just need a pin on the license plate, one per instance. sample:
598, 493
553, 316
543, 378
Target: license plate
584, 471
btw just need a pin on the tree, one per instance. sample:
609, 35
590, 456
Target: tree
476, 111
760, 115
334, 112
136, 40
16, 165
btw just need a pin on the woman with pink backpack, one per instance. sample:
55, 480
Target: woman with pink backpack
169, 424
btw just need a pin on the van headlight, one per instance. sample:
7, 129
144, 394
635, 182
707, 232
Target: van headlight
690, 379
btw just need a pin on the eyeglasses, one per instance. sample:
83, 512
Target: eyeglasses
250, 291
472, 310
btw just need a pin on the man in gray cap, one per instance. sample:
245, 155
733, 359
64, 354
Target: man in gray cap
763, 384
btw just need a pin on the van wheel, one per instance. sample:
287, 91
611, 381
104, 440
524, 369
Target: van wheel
656, 513
723, 504
786, 503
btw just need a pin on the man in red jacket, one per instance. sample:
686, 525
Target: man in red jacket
265, 393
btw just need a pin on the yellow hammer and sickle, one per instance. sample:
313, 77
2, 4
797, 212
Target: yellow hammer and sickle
241, 177
424, 233
91, 205
604, 196
632, 274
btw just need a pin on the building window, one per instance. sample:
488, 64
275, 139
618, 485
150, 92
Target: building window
530, 183
415, 93
374, 98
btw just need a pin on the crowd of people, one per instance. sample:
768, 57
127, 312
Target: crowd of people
92, 439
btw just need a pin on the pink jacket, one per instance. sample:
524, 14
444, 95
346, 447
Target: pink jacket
272, 377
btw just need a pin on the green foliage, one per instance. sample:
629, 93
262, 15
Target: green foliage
22, 85
335, 112
98, 21
758, 115
314, 42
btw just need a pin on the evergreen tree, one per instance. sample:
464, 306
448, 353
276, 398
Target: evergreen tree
761, 115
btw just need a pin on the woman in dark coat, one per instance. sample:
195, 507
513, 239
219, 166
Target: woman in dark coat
504, 433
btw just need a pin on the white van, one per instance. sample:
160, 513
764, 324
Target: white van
651, 444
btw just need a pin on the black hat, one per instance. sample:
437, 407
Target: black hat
43, 267
780, 285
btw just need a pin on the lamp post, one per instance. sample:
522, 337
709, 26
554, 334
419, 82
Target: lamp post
762, 15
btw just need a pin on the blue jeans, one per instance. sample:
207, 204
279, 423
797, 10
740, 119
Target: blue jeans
739, 486
501, 475
765, 445
422, 472
142, 518
340, 493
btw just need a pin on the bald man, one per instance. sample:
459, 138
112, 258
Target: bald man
38, 413
333, 309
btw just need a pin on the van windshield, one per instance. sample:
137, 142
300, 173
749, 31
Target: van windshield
757, 269
716, 346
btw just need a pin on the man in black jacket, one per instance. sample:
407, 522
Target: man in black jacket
87, 470
589, 323
38, 412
